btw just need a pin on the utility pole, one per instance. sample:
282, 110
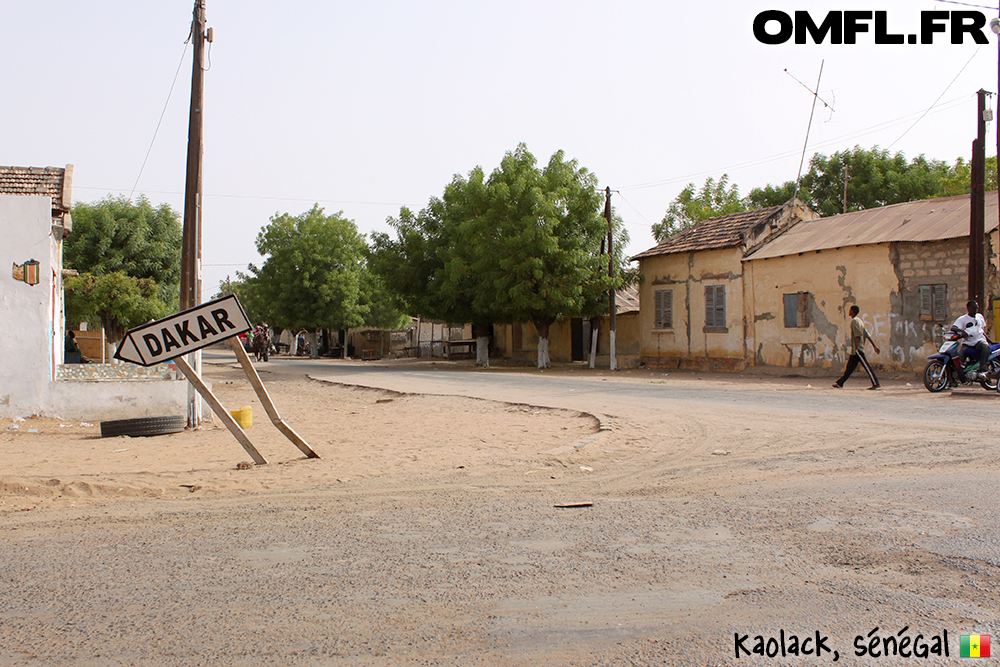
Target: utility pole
847, 179
191, 235
977, 264
611, 274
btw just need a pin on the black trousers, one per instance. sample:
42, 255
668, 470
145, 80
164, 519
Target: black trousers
852, 363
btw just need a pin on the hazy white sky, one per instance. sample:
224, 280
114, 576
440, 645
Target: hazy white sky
367, 106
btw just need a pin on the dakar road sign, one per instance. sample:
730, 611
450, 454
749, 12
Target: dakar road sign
184, 332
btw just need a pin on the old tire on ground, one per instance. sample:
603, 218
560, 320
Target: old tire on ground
935, 376
143, 426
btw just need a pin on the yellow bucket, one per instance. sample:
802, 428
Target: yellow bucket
243, 416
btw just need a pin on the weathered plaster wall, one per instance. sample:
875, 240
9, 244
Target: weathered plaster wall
883, 280
688, 343
29, 313
835, 280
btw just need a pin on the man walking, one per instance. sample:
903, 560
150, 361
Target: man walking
859, 335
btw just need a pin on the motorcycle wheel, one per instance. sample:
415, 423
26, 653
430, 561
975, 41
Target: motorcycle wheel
266, 354
935, 376
990, 384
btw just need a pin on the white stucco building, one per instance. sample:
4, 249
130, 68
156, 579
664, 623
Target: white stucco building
35, 219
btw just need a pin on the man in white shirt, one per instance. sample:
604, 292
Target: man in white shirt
974, 326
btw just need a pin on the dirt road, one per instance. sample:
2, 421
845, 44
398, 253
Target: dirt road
439, 529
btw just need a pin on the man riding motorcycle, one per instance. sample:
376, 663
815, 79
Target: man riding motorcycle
973, 327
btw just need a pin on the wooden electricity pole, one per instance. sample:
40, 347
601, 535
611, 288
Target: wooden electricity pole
611, 274
191, 235
977, 241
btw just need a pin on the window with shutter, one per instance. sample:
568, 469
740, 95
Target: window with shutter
664, 316
933, 303
715, 306
940, 303
796, 307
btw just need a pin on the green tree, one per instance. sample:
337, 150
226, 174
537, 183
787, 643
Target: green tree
874, 178
245, 288
522, 245
536, 250
775, 195
691, 206
315, 275
959, 179
128, 258
119, 301
141, 241
428, 263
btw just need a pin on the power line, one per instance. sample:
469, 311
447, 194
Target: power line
160, 122
965, 4
790, 153
938, 98
260, 197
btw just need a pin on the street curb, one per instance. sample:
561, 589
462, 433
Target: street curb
604, 423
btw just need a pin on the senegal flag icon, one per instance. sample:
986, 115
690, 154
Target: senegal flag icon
974, 646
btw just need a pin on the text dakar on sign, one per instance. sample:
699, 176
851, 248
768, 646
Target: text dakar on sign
184, 332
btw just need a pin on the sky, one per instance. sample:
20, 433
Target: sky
367, 107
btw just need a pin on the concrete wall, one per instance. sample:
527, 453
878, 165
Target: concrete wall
31, 346
522, 346
834, 280
883, 280
688, 343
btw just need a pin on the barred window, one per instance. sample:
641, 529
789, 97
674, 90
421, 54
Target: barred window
933, 303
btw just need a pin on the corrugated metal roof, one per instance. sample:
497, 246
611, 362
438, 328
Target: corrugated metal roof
627, 300
924, 220
712, 234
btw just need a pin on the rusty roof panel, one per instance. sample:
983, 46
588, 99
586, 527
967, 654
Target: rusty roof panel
924, 220
627, 300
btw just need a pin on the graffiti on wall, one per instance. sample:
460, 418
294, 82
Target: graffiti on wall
902, 341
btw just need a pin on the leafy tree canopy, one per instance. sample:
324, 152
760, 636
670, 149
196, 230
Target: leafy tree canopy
541, 235
128, 257
314, 275
120, 301
134, 238
874, 177
692, 205
524, 244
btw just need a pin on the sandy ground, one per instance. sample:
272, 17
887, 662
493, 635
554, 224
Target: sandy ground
443, 530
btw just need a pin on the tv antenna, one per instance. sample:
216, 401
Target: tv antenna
816, 97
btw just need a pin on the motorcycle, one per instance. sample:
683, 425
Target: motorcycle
946, 368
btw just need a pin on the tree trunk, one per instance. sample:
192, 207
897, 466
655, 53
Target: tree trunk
313, 346
113, 335
595, 328
542, 325
481, 332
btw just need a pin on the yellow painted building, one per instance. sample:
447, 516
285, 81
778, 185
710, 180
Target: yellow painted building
772, 287
696, 308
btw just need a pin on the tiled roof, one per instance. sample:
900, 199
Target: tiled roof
922, 220
712, 234
40, 181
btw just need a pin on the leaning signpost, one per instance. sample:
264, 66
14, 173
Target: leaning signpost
173, 337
